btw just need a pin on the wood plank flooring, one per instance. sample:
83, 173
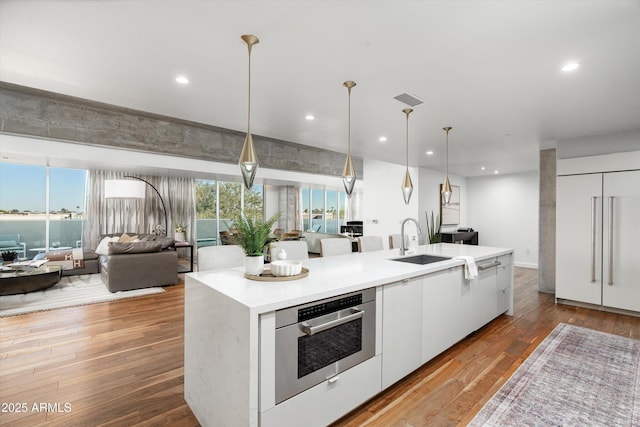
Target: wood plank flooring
121, 364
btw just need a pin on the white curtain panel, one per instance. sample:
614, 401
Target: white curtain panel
105, 216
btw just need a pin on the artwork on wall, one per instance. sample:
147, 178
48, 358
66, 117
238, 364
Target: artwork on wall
450, 214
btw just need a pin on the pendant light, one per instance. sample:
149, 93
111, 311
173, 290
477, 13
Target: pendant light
446, 187
407, 185
349, 173
248, 158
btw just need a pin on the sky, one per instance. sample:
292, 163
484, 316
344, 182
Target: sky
23, 187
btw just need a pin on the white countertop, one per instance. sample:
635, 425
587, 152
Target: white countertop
335, 275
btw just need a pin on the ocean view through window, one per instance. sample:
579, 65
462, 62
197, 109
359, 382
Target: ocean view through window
24, 213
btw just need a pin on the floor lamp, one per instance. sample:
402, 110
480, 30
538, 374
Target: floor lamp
128, 189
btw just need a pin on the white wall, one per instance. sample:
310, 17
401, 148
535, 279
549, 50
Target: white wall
503, 209
430, 181
383, 207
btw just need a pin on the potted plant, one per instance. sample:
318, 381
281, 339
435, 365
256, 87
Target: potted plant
252, 236
180, 231
432, 229
9, 256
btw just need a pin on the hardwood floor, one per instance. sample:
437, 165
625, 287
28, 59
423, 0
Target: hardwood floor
121, 364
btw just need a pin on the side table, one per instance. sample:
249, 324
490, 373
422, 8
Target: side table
183, 245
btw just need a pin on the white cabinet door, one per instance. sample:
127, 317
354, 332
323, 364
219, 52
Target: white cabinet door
504, 285
484, 293
446, 311
621, 258
579, 238
401, 329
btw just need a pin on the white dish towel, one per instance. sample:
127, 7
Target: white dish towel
470, 268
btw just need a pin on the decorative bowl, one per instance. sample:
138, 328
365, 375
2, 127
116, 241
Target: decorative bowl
286, 268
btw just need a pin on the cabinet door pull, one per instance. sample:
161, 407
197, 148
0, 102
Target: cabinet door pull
488, 266
333, 379
593, 238
610, 282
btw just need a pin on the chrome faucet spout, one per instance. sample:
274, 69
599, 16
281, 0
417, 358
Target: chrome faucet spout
403, 249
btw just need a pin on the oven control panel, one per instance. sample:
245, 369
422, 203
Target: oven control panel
328, 307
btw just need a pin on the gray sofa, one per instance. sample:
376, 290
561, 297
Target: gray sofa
313, 239
141, 264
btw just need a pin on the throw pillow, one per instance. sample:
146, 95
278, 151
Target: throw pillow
103, 246
125, 238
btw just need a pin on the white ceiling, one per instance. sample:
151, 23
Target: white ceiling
489, 69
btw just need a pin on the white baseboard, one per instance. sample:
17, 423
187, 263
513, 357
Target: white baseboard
525, 265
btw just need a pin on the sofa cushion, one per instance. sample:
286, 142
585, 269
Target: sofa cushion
164, 240
125, 238
134, 247
103, 246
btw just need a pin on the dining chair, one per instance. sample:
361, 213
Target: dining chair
395, 242
215, 257
335, 246
297, 250
370, 243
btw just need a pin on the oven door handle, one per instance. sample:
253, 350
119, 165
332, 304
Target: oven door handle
356, 313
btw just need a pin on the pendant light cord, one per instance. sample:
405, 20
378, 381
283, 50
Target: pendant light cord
407, 142
349, 124
447, 154
249, 96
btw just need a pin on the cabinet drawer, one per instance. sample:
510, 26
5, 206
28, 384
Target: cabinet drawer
328, 401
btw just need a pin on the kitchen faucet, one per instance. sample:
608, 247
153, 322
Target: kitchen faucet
403, 249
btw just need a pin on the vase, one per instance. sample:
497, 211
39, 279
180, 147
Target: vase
179, 236
254, 265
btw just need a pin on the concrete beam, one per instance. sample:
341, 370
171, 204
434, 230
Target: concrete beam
32, 112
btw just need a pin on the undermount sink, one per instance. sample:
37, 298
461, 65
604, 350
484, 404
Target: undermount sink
421, 259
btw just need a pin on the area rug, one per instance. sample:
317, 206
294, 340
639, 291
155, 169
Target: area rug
575, 377
69, 292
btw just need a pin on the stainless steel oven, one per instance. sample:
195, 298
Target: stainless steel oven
318, 340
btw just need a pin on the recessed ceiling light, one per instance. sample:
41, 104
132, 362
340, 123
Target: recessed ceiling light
309, 117
429, 153
382, 139
571, 66
182, 80
482, 168
495, 172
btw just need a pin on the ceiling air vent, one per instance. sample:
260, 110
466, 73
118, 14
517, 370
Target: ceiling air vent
410, 100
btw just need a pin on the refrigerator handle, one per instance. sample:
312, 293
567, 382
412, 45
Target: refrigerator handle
610, 282
593, 239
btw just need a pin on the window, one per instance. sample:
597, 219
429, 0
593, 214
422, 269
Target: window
322, 210
23, 208
218, 203
317, 210
66, 207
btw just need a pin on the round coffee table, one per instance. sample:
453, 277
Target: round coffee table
29, 280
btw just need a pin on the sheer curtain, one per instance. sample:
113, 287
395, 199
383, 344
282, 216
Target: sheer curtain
106, 216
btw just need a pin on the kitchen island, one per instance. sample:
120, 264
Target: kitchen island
230, 345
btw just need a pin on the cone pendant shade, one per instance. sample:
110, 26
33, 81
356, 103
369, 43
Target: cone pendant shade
248, 162
407, 187
446, 191
349, 173
248, 159
446, 187
348, 176
407, 184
